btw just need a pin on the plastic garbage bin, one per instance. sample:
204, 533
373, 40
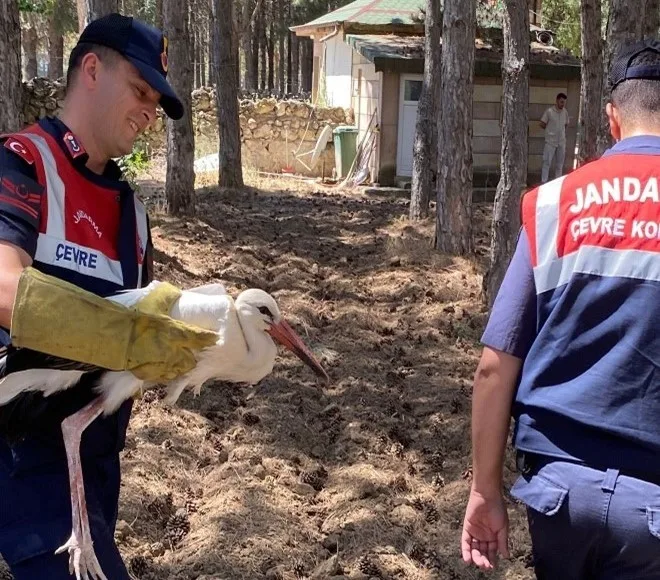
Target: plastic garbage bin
345, 140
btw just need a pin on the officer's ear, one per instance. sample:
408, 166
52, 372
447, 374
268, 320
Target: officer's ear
89, 68
614, 117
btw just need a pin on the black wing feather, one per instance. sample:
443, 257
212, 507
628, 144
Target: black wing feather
31, 412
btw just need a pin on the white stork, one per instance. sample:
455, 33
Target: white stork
244, 353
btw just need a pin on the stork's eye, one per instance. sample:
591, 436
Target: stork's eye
265, 311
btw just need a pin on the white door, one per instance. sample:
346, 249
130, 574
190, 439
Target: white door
410, 91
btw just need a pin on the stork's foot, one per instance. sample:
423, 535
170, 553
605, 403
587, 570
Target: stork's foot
82, 559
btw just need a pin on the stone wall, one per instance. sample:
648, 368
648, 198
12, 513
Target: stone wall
270, 129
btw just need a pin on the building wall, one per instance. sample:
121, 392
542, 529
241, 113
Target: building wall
338, 70
366, 91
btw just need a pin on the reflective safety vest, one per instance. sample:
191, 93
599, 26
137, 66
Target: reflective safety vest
590, 385
93, 232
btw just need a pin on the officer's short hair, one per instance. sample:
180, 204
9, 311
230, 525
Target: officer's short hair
105, 54
561, 96
637, 98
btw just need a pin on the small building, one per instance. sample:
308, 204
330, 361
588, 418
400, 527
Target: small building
369, 56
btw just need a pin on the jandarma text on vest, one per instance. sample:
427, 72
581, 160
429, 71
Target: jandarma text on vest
617, 190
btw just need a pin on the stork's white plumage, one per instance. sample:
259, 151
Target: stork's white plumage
245, 352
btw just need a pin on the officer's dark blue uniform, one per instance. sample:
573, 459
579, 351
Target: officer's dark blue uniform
580, 304
92, 231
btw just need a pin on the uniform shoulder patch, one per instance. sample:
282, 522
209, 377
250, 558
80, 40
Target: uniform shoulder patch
15, 146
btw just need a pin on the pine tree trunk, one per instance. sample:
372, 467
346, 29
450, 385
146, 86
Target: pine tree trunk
270, 43
652, 18
211, 47
231, 172
11, 88
454, 207
89, 10
425, 160
180, 181
289, 46
622, 27
30, 48
307, 63
55, 46
295, 64
203, 43
246, 41
513, 177
263, 50
281, 31
592, 80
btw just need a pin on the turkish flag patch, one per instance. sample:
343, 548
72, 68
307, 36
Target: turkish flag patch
15, 146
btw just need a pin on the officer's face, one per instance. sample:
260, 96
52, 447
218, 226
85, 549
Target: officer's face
132, 105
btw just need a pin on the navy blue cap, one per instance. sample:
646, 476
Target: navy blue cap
141, 44
622, 70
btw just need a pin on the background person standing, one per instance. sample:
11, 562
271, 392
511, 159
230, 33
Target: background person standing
554, 123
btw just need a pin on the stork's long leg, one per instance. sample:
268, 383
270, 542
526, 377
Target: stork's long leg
82, 559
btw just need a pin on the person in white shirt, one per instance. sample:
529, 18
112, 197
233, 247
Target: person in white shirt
554, 122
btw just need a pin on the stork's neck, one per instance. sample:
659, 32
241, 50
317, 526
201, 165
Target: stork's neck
260, 347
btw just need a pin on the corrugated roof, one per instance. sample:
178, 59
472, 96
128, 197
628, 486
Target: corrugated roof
378, 48
371, 12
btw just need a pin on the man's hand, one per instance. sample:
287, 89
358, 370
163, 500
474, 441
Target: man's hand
485, 530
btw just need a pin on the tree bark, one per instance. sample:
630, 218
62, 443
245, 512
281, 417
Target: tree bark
89, 10
515, 120
249, 79
212, 44
263, 47
11, 87
180, 181
289, 48
454, 207
30, 39
295, 64
307, 63
622, 27
55, 45
231, 172
652, 18
281, 68
425, 158
270, 43
592, 80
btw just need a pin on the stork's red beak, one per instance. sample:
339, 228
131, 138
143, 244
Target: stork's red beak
288, 338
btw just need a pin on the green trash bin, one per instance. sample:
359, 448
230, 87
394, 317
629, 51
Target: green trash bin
345, 140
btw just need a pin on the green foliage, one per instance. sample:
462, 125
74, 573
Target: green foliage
490, 13
563, 18
307, 10
133, 164
37, 6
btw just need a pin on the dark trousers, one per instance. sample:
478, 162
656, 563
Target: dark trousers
35, 516
590, 524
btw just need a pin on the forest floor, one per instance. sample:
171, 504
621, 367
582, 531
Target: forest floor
365, 477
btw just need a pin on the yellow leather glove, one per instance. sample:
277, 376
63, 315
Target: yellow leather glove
57, 318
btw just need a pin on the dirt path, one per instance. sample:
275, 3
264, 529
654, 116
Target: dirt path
271, 481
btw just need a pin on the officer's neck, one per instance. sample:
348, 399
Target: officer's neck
628, 132
96, 160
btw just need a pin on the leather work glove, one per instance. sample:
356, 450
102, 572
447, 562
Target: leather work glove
58, 318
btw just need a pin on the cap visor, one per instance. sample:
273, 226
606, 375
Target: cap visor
169, 101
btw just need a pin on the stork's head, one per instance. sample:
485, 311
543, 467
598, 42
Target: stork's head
259, 309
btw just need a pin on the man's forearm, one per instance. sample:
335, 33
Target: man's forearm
494, 386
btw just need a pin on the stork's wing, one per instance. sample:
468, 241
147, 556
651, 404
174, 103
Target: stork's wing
131, 297
215, 289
